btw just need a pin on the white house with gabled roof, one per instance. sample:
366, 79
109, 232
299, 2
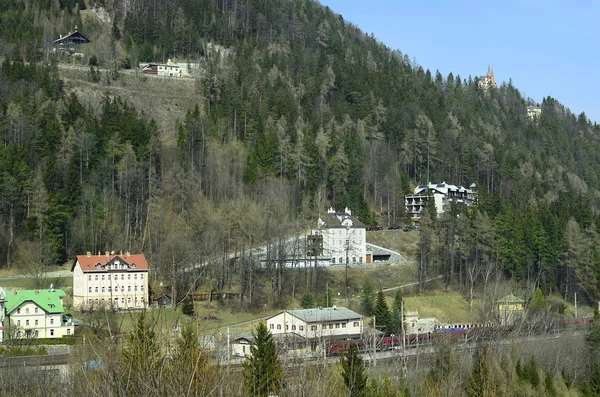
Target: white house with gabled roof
441, 194
328, 322
344, 238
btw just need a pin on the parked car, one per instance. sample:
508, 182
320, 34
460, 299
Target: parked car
408, 228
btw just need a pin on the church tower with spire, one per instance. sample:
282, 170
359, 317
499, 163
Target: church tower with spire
488, 80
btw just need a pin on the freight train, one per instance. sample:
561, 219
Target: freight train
454, 332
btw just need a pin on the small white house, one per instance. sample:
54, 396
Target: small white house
240, 347
344, 238
328, 322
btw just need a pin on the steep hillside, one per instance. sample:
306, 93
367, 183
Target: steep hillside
299, 112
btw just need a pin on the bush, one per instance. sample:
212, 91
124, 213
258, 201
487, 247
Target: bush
93, 60
187, 307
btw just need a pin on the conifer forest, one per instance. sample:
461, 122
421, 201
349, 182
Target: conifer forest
295, 110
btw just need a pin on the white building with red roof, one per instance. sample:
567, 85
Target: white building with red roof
109, 280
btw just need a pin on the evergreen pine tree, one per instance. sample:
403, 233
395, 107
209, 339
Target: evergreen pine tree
307, 301
353, 372
262, 370
381, 312
397, 317
367, 299
480, 380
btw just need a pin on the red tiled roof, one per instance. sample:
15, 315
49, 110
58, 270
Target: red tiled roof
88, 263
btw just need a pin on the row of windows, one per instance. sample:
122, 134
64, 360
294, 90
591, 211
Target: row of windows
315, 327
35, 323
27, 334
116, 289
341, 260
116, 301
27, 310
116, 276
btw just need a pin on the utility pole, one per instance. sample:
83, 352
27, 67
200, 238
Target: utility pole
374, 342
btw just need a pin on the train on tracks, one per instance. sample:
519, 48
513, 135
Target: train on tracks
454, 332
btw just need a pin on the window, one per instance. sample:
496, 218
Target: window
51, 332
313, 327
123, 289
27, 310
36, 322
142, 288
330, 326
129, 288
116, 301
96, 289
122, 301
337, 325
90, 290
136, 300
96, 301
68, 331
96, 277
19, 311
142, 276
293, 327
89, 301
343, 325
19, 323
36, 333
102, 289
302, 328
35, 310
278, 326
287, 327
135, 288
356, 324
116, 276
129, 277
129, 301
103, 277
333, 261
122, 277
360, 259
353, 259
135, 276
26, 322
109, 288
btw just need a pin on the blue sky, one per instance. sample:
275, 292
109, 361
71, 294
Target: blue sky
547, 47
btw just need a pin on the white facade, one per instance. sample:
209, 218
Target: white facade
330, 322
119, 281
533, 112
344, 238
36, 314
442, 194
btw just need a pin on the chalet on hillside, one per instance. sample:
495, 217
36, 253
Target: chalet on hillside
70, 42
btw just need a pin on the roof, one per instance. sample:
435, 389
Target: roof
443, 188
47, 299
339, 220
74, 37
511, 299
89, 263
316, 315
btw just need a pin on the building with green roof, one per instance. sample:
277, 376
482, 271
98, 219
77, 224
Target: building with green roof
36, 314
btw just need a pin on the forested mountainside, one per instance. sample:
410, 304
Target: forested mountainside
300, 111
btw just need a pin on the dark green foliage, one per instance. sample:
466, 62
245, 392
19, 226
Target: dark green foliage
480, 383
307, 301
262, 370
382, 314
549, 382
187, 307
353, 372
397, 322
367, 299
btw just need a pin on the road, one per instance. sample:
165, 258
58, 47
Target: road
48, 275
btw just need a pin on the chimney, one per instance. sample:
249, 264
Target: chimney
121, 253
89, 254
14, 291
37, 291
127, 254
76, 29
107, 253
